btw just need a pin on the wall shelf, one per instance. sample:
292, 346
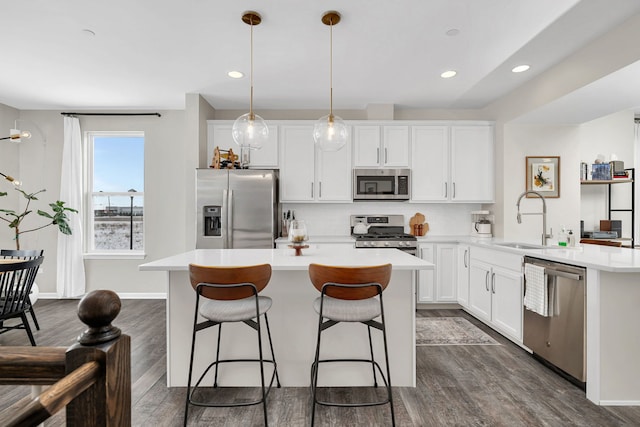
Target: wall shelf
609, 183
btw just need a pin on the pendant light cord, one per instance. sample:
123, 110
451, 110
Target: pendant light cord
251, 74
331, 71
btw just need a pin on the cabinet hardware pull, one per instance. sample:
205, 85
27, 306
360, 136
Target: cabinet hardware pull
312, 190
386, 157
464, 258
493, 283
445, 190
453, 196
486, 281
320, 190
378, 155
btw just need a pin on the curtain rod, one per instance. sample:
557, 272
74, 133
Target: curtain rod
111, 114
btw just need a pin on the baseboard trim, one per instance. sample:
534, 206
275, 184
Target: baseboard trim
122, 295
619, 403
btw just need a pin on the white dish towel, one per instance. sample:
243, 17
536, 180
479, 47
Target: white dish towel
536, 297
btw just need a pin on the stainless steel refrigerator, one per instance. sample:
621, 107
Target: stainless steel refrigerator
236, 208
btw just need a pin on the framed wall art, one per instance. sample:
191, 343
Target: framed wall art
543, 175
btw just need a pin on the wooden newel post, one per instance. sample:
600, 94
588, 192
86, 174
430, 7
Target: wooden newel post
108, 402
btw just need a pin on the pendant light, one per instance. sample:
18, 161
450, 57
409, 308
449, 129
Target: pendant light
250, 131
330, 132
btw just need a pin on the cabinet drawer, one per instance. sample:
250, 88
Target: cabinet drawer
503, 259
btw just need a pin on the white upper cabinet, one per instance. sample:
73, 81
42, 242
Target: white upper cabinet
381, 146
219, 134
297, 174
430, 163
308, 174
472, 165
452, 163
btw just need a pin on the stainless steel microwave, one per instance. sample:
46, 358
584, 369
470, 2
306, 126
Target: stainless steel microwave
381, 184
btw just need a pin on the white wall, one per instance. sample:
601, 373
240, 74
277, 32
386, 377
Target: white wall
537, 140
9, 165
165, 217
613, 134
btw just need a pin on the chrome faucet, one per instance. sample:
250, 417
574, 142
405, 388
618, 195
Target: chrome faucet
545, 236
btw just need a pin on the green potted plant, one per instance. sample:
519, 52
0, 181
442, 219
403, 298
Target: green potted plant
58, 216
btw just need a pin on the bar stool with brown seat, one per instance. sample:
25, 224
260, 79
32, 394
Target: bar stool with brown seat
230, 294
351, 294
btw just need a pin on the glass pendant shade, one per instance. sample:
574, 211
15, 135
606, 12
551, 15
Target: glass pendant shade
330, 133
250, 131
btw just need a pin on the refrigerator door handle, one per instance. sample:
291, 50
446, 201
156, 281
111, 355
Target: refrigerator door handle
230, 220
225, 219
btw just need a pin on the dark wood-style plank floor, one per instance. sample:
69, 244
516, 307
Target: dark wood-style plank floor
457, 385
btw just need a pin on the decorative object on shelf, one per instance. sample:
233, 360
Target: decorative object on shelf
16, 135
250, 131
417, 226
57, 217
330, 133
224, 159
298, 235
543, 175
601, 172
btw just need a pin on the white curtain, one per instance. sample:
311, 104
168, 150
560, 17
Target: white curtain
70, 277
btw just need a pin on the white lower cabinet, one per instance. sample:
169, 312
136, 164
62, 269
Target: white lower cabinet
438, 285
495, 290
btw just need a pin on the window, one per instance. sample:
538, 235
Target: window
115, 195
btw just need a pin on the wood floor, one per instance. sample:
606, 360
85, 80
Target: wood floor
474, 385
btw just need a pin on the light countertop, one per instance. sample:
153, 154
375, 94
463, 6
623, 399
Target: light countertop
284, 259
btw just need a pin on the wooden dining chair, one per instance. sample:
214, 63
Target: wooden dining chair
24, 255
16, 280
351, 294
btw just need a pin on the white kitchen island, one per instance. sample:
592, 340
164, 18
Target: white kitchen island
292, 318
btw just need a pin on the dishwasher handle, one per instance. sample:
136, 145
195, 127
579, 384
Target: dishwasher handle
566, 275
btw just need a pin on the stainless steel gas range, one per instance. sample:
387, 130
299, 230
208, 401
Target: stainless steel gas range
382, 231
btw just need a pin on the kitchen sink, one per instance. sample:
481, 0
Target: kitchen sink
522, 245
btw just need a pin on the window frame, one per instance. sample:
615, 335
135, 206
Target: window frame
88, 228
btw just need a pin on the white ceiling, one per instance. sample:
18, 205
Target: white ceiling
147, 54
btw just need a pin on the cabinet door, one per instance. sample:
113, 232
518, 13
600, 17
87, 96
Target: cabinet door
395, 147
429, 163
366, 149
462, 278
297, 159
333, 181
507, 304
472, 170
426, 278
446, 255
220, 135
480, 290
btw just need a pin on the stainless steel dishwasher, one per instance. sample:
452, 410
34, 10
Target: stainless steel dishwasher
560, 338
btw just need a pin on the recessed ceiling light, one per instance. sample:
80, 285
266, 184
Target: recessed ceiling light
453, 32
448, 74
235, 74
520, 68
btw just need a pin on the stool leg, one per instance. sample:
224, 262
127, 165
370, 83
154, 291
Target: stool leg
193, 346
215, 379
273, 356
264, 396
314, 370
33, 316
386, 358
373, 367
27, 328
